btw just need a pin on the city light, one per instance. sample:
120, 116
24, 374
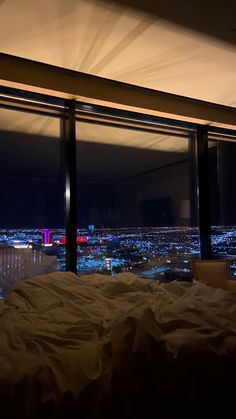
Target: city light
161, 253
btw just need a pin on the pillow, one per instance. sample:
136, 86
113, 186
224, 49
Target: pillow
215, 273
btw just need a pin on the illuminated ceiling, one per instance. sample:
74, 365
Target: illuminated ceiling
116, 153
103, 152
177, 50
38, 126
115, 41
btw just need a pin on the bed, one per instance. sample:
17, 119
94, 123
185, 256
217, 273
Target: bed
104, 347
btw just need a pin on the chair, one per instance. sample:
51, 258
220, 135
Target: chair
215, 273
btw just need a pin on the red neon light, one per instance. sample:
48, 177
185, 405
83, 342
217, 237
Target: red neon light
79, 240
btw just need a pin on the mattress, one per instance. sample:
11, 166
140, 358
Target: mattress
100, 346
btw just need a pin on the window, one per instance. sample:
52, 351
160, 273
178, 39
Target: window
137, 205
32, 196
136, 202
221, 155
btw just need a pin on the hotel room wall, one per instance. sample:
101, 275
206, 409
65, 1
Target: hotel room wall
172, 182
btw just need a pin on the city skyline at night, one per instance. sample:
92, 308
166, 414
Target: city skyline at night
163, 253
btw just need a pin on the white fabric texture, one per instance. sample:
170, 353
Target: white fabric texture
95, 342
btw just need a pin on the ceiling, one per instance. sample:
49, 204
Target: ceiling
214, 18
116, 153
185, 48
129, 138
103, 152
39, 126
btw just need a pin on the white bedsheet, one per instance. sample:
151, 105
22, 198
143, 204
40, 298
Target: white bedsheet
108, 344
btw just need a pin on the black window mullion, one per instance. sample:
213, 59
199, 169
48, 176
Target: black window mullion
192, 180
69, 140
203, 192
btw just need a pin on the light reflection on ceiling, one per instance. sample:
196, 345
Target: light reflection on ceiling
114, 41
104, 153
40, 126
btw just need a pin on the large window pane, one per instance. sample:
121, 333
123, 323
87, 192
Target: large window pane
222, 154
32, 197
136, 203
